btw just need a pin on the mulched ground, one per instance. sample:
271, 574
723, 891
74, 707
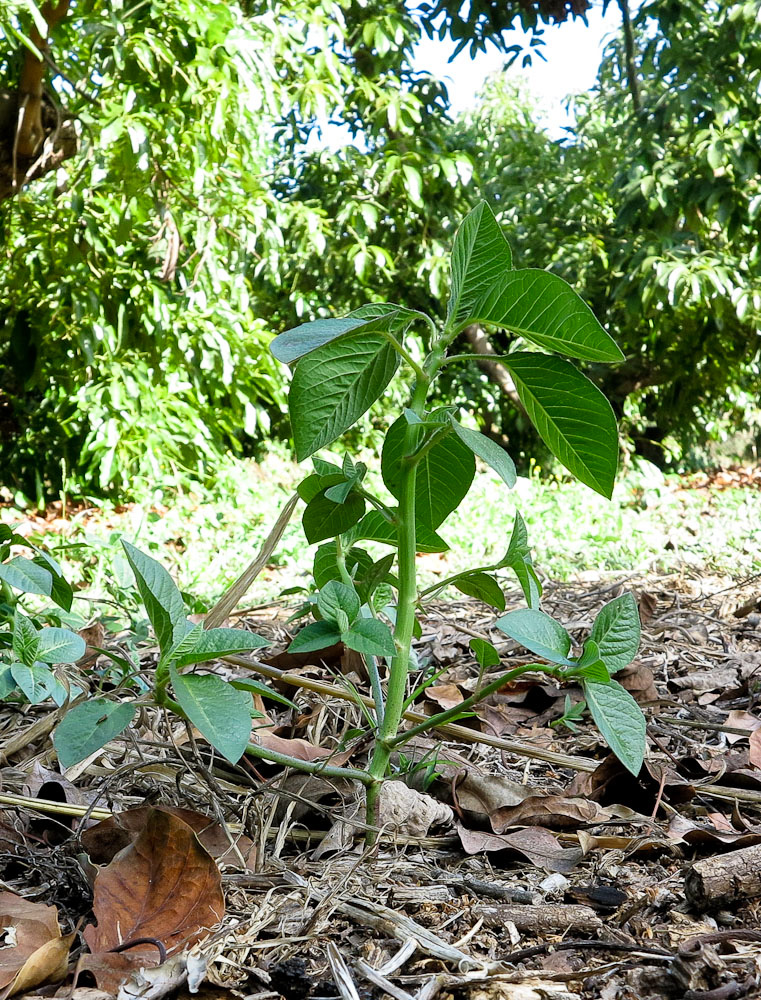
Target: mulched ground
547, 870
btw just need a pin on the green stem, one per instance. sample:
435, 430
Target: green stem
405, 612
309, 767
385, 510
432, 441
404, 353
451, 713
435, 587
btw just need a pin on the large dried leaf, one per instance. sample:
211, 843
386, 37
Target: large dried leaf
34, 951
557, 811
535, 843
104, 840
164, 886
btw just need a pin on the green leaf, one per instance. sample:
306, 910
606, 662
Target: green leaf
483, 587
596, 672
480, 258
572, 416
325, 565
488, 451
163, 601
616, 631
538, 632
620, 721
376, 574
217, 710
24, 575
486, 655
256, 687
334, 385
371, 637
7, 683
60, 645
88, 726
323, 518
545, 309
374, 527
444, 475
33, 681
323, 468
302, 340
315, 484
215, 642
518, 558
336, 596
341, 491
26, 641
313, 637
60, 590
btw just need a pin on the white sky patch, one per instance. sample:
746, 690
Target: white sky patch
573, 51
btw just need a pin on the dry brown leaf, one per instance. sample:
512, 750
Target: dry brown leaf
741, 720
445, 695
301, 749
638, 680
684, 831
535, 843
754, 754
647, 604
558, 811
164, 886
34, 951
483, 794
104, 840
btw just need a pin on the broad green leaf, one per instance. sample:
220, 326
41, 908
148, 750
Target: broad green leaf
60, 645
26, 640
334, 385
483, 587
215, 642
486, 655
620, 721
590, 653
518, 558
596, 672
163, 601
315, 484
88, 726
24, 575
488, 451
183, 643
376, 574
444, 475
60, 590
371, 637
374, 527
341, 491
616, 631
301, 340
325, 565
572, 416
545, 309
336, 596
256, 687
218, 711
33, 681
323, 518
480, 258
538, 632
323, 468
313, 637
7, 683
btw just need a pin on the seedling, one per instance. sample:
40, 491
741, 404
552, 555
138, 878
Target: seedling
340, 368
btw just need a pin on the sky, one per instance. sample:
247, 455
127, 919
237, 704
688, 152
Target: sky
573, 53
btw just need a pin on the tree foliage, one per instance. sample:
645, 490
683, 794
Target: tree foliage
652, 214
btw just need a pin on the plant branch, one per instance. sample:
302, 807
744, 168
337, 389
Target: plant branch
631, 66
442, 718
325, 770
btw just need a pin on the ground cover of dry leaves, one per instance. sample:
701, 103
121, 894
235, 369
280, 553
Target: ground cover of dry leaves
519, 860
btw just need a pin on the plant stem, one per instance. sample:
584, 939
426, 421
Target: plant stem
405, 614
309, 767
457, 576
451, 713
